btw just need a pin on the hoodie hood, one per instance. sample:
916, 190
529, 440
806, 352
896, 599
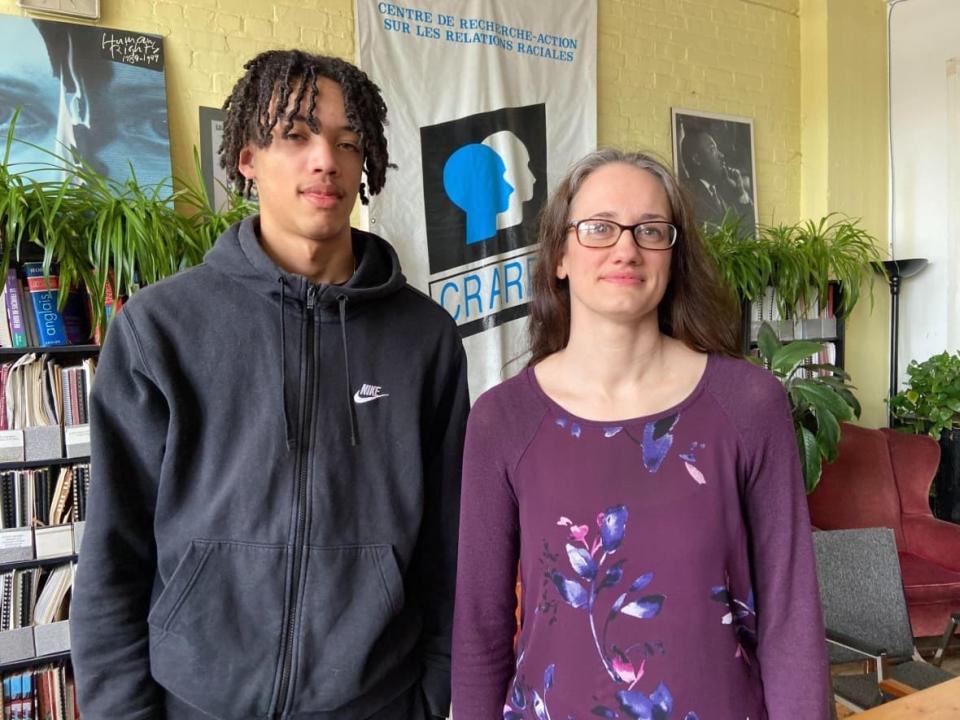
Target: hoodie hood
238, 253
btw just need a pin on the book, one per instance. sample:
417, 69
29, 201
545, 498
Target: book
26, 307
13, 301
5, 339
59, 508
70, 692
111, 306
51, 606
16, 695
6, 600
8, 508
26, 696
48, 321
4, 374
66, 396
83, 388
76, 317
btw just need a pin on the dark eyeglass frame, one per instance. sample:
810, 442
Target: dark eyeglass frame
575, 226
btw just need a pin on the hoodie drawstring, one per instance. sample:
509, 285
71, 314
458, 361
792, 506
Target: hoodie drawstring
354, 436
283, 365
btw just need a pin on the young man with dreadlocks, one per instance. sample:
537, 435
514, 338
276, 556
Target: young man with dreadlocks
276, 447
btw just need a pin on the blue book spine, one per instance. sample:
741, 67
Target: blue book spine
43, 294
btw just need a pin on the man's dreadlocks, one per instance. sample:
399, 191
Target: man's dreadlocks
252, 112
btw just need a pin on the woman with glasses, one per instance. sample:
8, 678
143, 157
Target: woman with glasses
643, 483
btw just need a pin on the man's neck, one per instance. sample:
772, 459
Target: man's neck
329, 262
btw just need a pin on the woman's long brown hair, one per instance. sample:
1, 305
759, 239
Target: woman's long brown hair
697, 308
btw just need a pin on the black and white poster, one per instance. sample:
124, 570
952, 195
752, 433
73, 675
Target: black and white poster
713, 157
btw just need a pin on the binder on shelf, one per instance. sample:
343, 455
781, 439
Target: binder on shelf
53, 541
16, 544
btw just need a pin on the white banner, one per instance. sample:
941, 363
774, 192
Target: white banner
489, 103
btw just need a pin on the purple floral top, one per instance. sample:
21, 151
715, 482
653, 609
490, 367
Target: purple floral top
666, 561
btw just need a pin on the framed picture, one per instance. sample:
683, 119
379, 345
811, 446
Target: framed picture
713, 157
214, 176
87, 91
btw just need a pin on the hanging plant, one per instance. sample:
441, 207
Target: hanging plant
798, 261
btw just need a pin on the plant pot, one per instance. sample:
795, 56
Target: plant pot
946, 483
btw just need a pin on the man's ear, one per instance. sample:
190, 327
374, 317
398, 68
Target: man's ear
245, 163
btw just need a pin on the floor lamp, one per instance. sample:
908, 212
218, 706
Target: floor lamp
896, 271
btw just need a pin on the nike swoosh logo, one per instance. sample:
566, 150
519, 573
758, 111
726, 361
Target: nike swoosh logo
360, 399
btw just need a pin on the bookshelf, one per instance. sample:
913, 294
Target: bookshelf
39, 550
68, 350
823, 325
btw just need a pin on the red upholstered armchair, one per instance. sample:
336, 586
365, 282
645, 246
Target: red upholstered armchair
882, 479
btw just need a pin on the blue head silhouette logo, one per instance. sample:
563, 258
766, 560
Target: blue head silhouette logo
473, 178
484, 182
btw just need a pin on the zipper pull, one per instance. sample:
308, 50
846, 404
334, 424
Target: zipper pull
311, 297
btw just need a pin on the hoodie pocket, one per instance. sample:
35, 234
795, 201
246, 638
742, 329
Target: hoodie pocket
215, 629
350, 642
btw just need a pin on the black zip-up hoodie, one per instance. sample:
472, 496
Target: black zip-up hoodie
273, 509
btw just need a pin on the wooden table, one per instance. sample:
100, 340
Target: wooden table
941, 702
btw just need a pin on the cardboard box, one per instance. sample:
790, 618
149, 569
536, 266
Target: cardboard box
16, 645
43, 442
11, 446
54, 541
76, 438
16, 544
52, 637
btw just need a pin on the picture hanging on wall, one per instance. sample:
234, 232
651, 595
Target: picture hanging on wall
714, 160
84, 90
211, 135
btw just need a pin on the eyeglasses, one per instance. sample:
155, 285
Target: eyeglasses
601, 233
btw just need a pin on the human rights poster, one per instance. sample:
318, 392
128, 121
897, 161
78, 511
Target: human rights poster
83, 90
489, 103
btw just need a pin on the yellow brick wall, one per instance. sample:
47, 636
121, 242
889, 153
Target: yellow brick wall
739, 57
844, 164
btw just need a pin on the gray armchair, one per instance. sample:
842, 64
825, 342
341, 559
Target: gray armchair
865, 613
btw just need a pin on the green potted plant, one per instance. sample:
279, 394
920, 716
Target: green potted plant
798, 261
100, 231
930, 403
744, 262
820, 398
